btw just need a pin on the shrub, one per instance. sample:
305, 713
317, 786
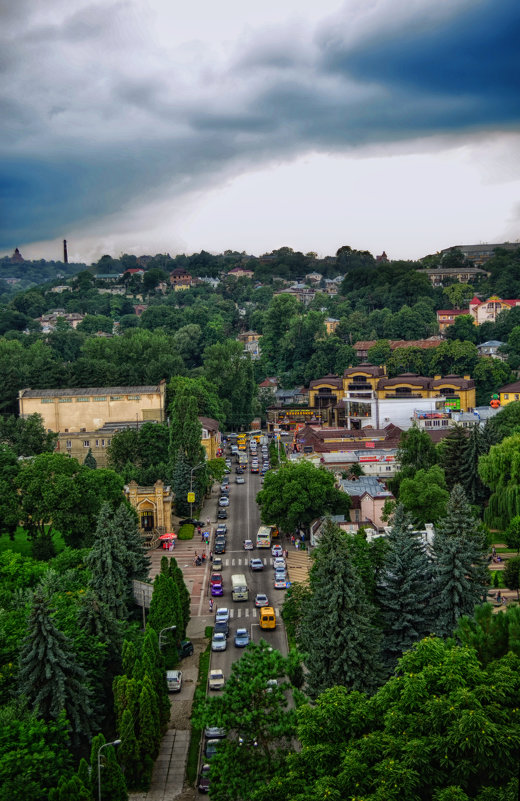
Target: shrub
186, 531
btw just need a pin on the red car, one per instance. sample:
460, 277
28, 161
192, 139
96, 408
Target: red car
216, 578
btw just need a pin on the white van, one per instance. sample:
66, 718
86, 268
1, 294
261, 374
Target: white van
174, 680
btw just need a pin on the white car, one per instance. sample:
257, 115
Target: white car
279, 563
216, 679
240, 480
223, 501
222, 615
219, 641
280, 583
174, 680
276, 550
261, 600
248, 545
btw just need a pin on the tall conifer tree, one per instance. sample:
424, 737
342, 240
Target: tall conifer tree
453, 455
461, 574
49, 675
405, 589
108, 564
127, 530
337, 634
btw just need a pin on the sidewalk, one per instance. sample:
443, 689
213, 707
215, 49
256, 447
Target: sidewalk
170, 766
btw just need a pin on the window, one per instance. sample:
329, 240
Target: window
134, 397
97, 443
86, 443
69, 443
47, 400
82, 400
100, 398
65, 400
102, 443
517, 396
116, 397
506, 396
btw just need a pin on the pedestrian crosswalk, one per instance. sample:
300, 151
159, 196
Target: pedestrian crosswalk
231, 561
235, 613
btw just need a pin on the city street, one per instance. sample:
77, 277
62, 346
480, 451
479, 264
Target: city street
243, 522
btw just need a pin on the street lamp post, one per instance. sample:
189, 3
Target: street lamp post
115, 743
168, 628
197, 467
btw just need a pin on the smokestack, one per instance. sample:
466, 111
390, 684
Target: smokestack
65, 257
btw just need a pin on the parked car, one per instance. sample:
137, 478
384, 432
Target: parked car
185, 648
221, 626
203, 780
217, 591
219, 641
248, 545
216, 679
215, 578
220, 546
174, 680
280, 583
279, 563
276, 550
239, 470
222, 529
215, 732
210, 748
256, 564
222, 514
224, 491
217, 563
222, 615
241, 638
261, 600
223, 500
240, 480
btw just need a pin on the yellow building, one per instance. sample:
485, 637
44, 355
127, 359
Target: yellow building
154, 508
82, 410
509, 393
331, 324
210, 438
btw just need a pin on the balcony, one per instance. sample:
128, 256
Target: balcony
403, 396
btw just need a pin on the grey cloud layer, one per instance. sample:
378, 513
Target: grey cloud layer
94, 117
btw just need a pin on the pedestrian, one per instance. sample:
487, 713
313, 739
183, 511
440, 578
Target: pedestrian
211, 556
292, 539
211, 604
494, 551
296, 544
208, 521
202, 536
499, 597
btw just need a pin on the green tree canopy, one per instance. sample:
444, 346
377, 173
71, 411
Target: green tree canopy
425, 495
297, 494
499, 469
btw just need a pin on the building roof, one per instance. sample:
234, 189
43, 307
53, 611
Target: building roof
69, 392
369, 369
430, 342
452, 312
454, 380
333, 380
365, 485
514, 387
209, 423
180, 271
404, 378
330, 440
491, 343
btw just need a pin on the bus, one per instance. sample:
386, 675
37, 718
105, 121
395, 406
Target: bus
242, 459
239, 590
263, 537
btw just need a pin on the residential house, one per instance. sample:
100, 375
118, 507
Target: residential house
48, 321
180, 279
509, 393
313, 278
241, 272
344, 523
331, 323
134, 271
491, 348
368, 496
439, 276
61, 288
446, 317
484, 311
363, 346
211, 436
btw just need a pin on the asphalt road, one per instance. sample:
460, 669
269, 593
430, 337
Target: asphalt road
243, 522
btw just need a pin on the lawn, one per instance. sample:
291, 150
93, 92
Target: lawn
21, 544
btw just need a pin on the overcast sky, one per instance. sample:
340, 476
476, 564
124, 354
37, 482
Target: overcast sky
147, 126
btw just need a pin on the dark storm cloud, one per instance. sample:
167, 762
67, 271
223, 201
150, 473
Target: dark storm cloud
113, 135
